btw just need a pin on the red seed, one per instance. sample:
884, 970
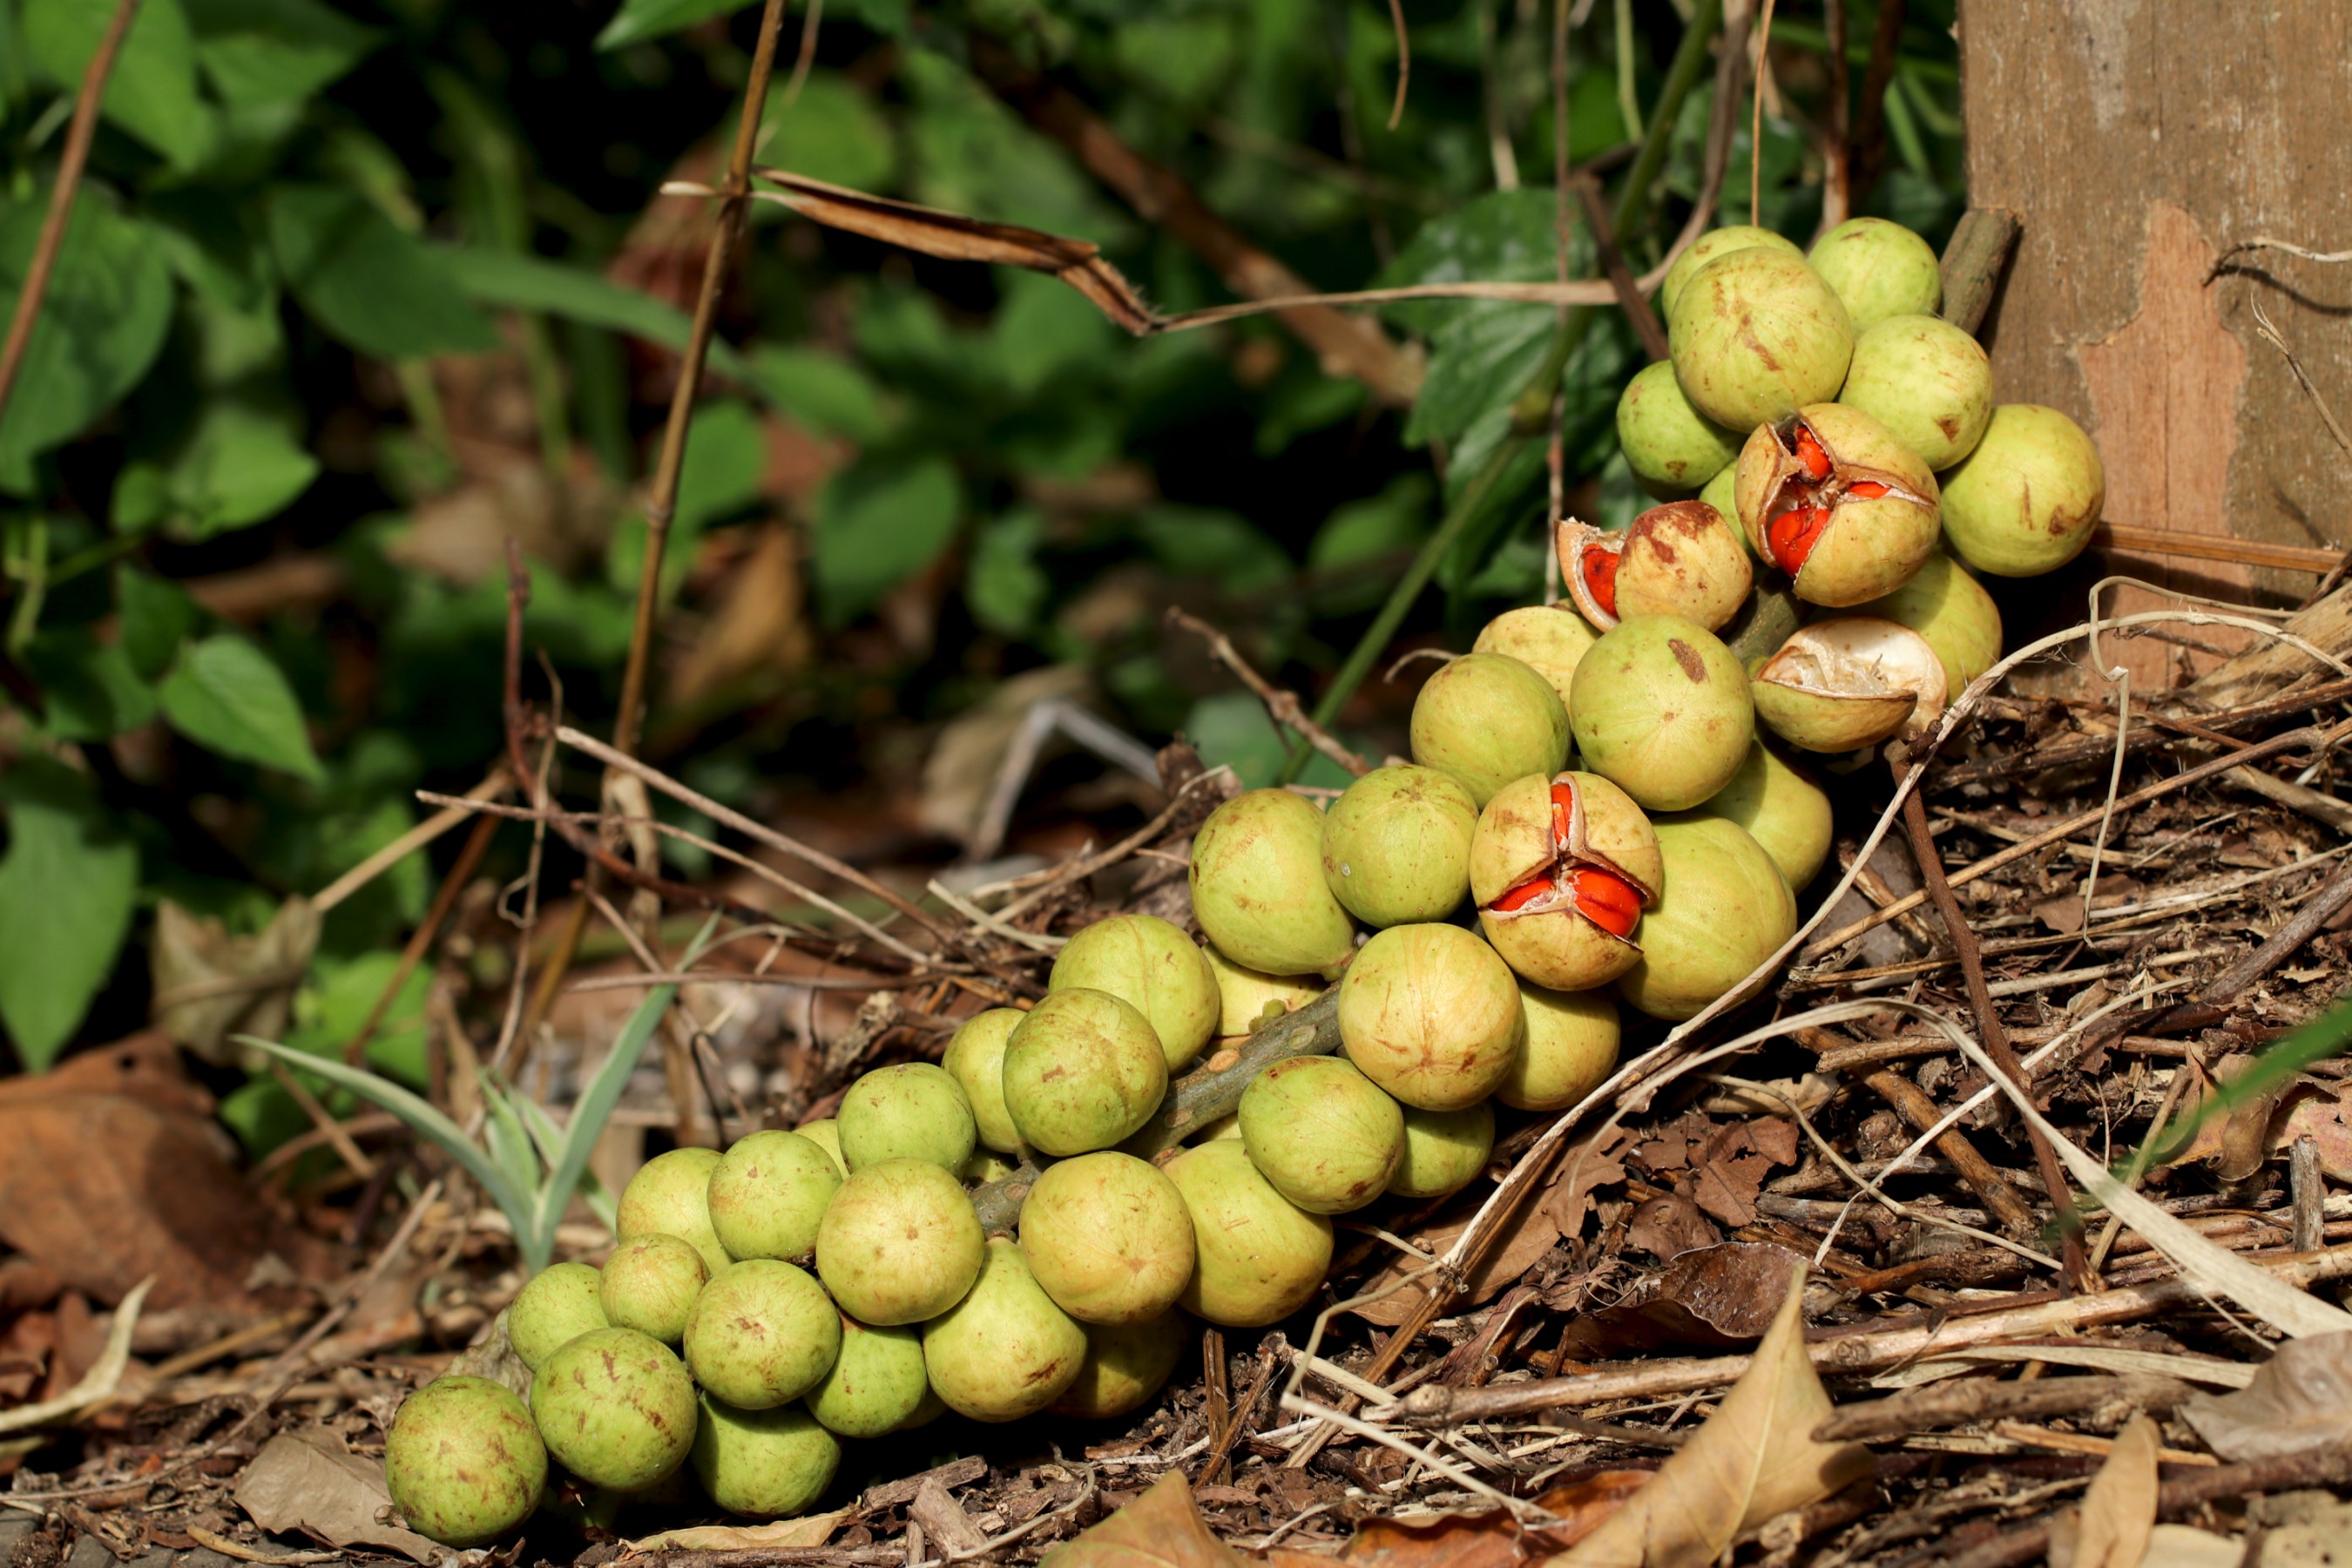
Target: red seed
1608, 900
1793, 536
1865, 489
1526, 893
1600, 576
1810, 453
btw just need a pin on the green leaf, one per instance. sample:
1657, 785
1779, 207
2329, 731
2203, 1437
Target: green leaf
1231, 729
506, 278
972, 154
151, 93
878, 524
549, 1139
1501, 237
66, 890
90, 691
156, 615
239, 466
832, 132
726, 455
366, 281
273, 51
1218, 546
1044, 329
205, 241
638, 20
1004, 586
509, 1144
101, 323
824, 392
225, 695
1393, 522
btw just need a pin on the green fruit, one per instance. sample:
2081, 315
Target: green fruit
1153, 967
1662, 711
1683, 558
985, 1165
876, 1382
616, 1409
1126, 1365
1781, 808
1488, 719
1396, 845
1672, 447
1875, 502
1548, 639
1583, 869
1004, 1350
1444, 1151
1082, 1071
1725, 910
670, 1195
1257, 886
1951, 609
760, 1335
1246, 998
558, 1306
1322, 1133
1430, 1014
2025, 501
463, 1462
769, 1193
768, 1464
1924, 380
825, 1133
1722, 492
1570, 1047
1878, 269
1710, 244
1259, 1257
910, 1111
975, 1059
649, 1284
1108, 1238
931, 1408
900, 1243
1848, 682
1756, 336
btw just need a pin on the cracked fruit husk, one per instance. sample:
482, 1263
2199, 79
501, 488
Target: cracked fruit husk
1782, 809
1256, 880
876, 1384
1430, 1014
975, 1059
1549, 639
825, 1133
762, 1333
1757, 335
1396, 845
900, 1243
1108, 1238
670, 1195
913, 1110
1488, 719
1082, 1071
1672, 447
463, 1462
1259, 1257
1708, 246
558, 1306
1246, 998
1570, 1047
2025, 502
769, 1193
1323, 1134
767, 1464
1662, 712
1004, 1350
1953, 612
616, 1409
1924, 380
1836, 502
649, 1284
1561, 871
1726, 909
1126, 1365
1848, 682
1683, 558
1444, 1151
1878, 269
1155, 968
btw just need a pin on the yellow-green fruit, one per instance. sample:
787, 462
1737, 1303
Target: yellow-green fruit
1259, 1257
900, 1243
2025, 501
1726, 909
1548, 639
986, 1165
976, 1058
1570, 1047
1953, 612
1662, 711
876, 1384
1878, 269
1722, 492
1246, 998
1444, 1151
463, 1462
825, 1133
1396, 845
1227, 1126
1782, 809
770, 1192
1322, 1133
1756, 336
1708, 246
1488, 719
1153, 967
1430, 1014
760, 1335
615, 1408
1083, 1070
1672, 447
1004, 1350
1126, 1365
670, 1195
649, 1284
1108, 1238
1924, 380
558, 1306
910, 1111
768, 1464
1256, 880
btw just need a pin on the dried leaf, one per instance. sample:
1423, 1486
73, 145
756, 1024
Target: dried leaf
1522, 1245
1488, 1540
1669, 1226
1714, 1298
2300, 1399
97, 1384
2118, 1511
2179, 1546
209, 984
2327, 1122
309, 1481
1161, 1529
1755, 1458
801, 1534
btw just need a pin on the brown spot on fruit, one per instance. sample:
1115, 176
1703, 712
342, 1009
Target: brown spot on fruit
1687, 657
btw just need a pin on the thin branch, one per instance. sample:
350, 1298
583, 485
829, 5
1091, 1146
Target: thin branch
1621, 283
1837, 150
1869, 145
2264, 242
1756, 116
807, 54
1404, 62
468, 856
1282, 706
2270, 335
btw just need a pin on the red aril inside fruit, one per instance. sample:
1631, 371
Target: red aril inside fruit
1526, 893
1600, 565
1793, 536
1606, 899
1865, 489
1809, 452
